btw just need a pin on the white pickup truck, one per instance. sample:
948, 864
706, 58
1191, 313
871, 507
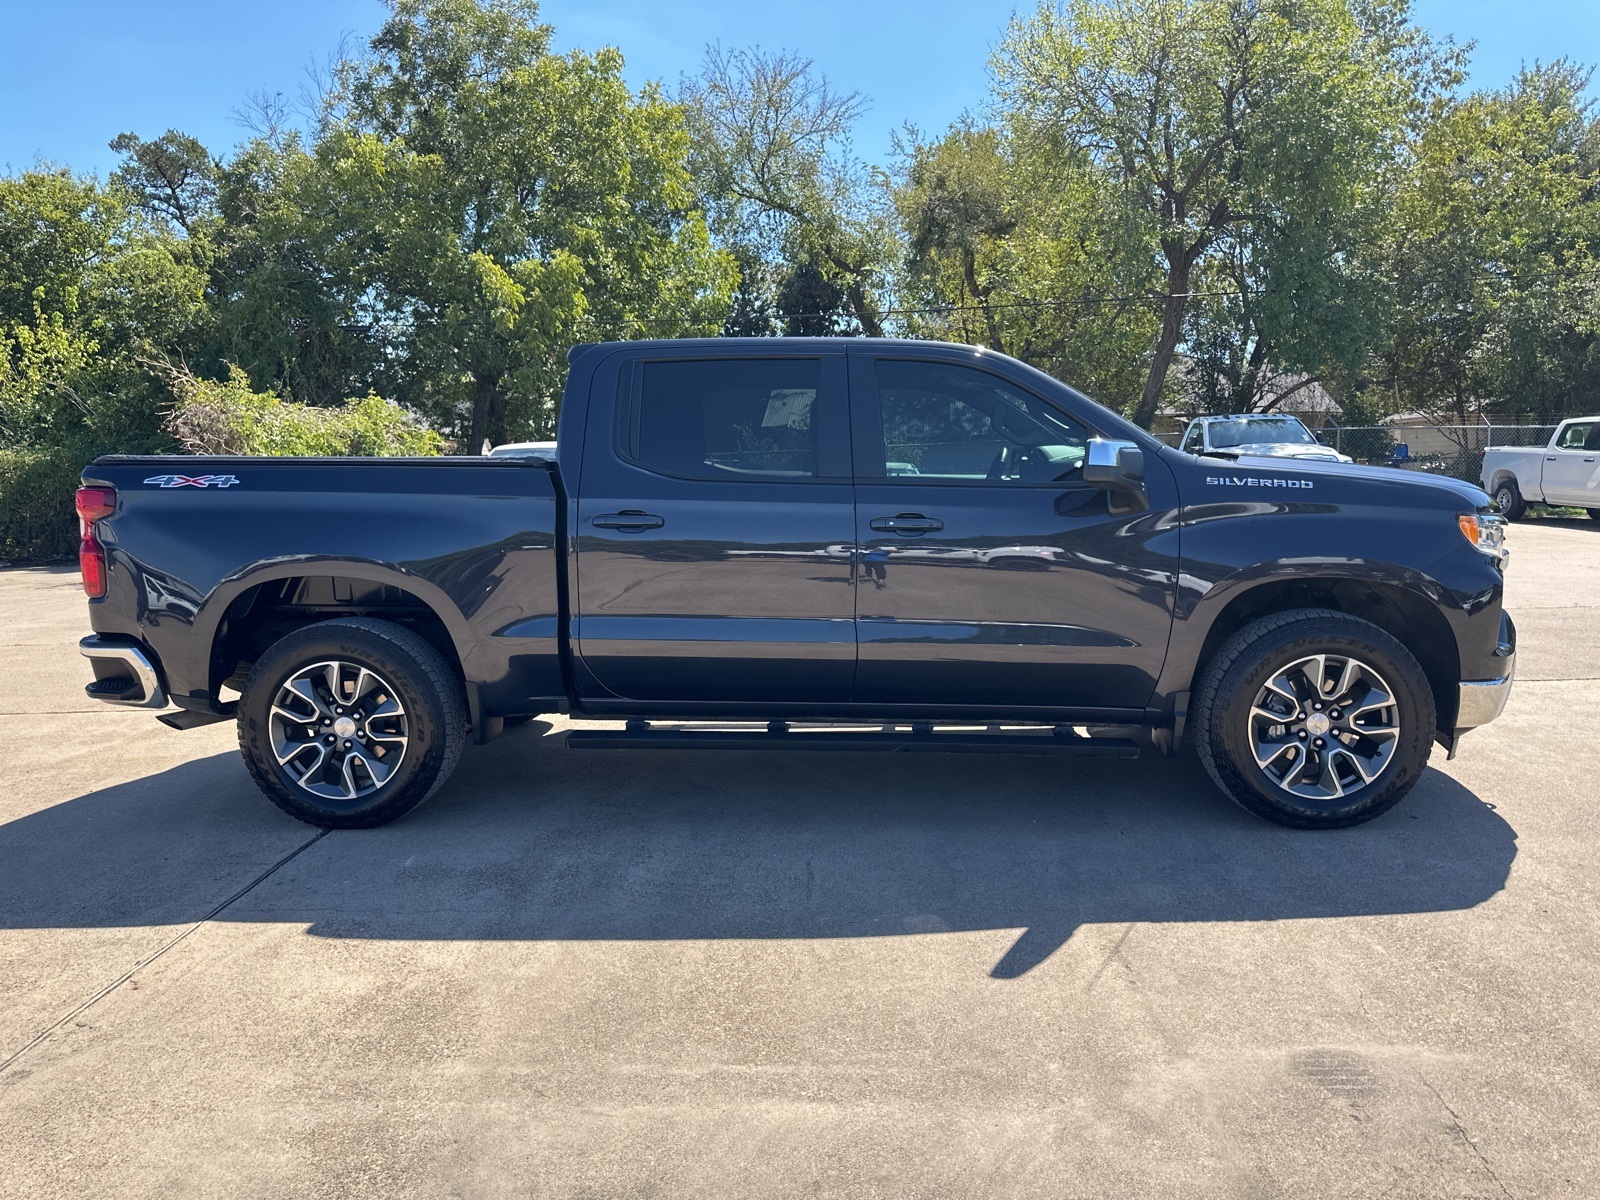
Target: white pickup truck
1566, 472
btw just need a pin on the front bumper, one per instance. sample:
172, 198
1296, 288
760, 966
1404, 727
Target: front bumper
1482, 700
1479, 701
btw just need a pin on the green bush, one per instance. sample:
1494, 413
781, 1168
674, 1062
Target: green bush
37, 522
229, 418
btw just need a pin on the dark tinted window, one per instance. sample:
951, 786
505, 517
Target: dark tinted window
727, 418
947, 422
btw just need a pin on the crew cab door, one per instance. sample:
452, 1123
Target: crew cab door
989, 573
714, 530
1572, 465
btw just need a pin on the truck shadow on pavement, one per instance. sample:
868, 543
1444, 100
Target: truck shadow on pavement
530, 841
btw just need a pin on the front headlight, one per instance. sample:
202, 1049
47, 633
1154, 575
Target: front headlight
1486, 531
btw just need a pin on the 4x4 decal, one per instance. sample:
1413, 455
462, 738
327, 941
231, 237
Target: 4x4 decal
199, 481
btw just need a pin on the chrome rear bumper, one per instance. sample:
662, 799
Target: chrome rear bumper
123, 674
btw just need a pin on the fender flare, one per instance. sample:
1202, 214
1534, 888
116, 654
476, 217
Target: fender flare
1198, 618
1502, 475
208, 618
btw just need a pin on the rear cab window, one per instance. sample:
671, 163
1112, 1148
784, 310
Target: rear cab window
734, 419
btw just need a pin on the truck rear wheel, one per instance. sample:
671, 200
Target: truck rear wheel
1314, 719
350, 723
1509, 499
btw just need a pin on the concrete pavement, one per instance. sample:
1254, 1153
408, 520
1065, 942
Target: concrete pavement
743, 974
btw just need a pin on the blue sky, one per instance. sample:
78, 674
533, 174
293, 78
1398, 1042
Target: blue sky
75, 74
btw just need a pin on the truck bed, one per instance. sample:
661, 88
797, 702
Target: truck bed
474, 539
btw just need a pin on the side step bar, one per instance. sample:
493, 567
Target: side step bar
641, 735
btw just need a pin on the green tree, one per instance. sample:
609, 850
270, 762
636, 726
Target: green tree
487, 203
89, 285
1495, 247
1256, 130
1024, 253
281, 312
172, 177
773, 157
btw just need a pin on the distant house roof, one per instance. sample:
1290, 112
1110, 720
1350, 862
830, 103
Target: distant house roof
1310, 398
1475, 416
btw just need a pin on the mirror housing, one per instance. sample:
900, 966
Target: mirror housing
1117, 466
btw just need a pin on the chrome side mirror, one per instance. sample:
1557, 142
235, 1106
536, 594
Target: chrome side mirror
1114, 465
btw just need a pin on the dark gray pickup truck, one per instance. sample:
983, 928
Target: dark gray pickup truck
789, 540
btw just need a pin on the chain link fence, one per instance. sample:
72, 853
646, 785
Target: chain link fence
1454, 450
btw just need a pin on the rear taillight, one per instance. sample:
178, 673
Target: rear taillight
92, 566
96, 502
92, 504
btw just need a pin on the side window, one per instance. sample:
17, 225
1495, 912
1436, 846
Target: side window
1576, 437
1191, 443
738, 418
946, 422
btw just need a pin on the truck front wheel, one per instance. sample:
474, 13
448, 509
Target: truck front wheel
350, 723
1314, 719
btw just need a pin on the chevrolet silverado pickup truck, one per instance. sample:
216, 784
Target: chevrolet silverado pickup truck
805, 544
1564, 472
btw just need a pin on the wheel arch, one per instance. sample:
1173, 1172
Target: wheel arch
250, 611
1408, 616
1503, 475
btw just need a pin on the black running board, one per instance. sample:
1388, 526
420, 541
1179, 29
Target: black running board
642, 736
189, 718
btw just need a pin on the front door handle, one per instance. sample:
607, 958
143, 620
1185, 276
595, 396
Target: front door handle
909, 524
631, 518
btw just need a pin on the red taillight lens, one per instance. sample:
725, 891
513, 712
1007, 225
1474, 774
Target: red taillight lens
92, 504
96, 502
92, 565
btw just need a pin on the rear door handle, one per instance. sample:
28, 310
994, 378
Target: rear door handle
630, 518
909, 524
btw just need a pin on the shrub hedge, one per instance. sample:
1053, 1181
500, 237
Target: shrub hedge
37, 522
226, 417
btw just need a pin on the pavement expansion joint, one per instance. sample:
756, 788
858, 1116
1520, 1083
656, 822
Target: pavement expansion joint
45, 1035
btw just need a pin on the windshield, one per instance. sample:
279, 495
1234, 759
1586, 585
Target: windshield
1244, 431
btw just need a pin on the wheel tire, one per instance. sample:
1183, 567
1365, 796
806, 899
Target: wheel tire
1509, 498
433, 706
1594, 513
1240, 669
